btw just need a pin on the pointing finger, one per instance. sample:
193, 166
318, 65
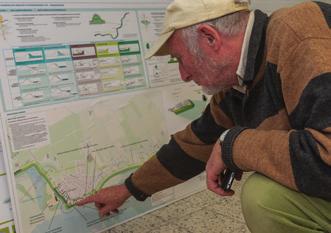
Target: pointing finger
87, 200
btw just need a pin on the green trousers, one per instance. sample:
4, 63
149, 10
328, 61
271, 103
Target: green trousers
269, 207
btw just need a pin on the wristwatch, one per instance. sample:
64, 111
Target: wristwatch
227, 176
222, 137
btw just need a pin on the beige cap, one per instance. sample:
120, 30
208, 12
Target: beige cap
184, 13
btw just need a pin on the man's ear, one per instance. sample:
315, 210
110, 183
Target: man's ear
209, 37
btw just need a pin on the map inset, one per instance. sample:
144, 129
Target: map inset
116, 27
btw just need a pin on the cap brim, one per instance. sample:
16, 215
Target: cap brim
160, 47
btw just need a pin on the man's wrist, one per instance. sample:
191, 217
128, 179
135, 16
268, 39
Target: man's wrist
134, 191
227, 147
125, 191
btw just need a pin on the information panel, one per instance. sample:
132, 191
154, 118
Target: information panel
83, 109
55, 54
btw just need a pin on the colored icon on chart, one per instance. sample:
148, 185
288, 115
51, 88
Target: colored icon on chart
96, 19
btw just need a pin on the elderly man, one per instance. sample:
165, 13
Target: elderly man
270, 112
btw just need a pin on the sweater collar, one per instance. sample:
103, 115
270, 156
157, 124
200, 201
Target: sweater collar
255, 47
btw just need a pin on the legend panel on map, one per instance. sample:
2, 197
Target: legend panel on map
51, 74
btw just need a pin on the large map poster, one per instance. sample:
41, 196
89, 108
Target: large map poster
82, 109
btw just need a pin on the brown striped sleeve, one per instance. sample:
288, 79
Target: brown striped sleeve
184, 156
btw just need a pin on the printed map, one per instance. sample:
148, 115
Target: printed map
80, 149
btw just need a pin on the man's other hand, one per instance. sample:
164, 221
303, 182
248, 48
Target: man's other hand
215, 166
107, 200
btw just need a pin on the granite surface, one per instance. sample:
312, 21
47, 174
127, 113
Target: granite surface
200, 213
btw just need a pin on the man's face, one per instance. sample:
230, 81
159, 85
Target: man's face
202, 69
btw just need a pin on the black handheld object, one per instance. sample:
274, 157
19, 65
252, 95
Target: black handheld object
226, 179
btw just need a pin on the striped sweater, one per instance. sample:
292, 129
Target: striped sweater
280, 128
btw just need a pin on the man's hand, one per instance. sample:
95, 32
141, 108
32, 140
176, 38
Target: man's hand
108, 199
215, 166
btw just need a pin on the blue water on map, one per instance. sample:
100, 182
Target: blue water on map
85, 219
39, 185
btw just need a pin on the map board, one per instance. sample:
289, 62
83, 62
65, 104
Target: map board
81, 109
